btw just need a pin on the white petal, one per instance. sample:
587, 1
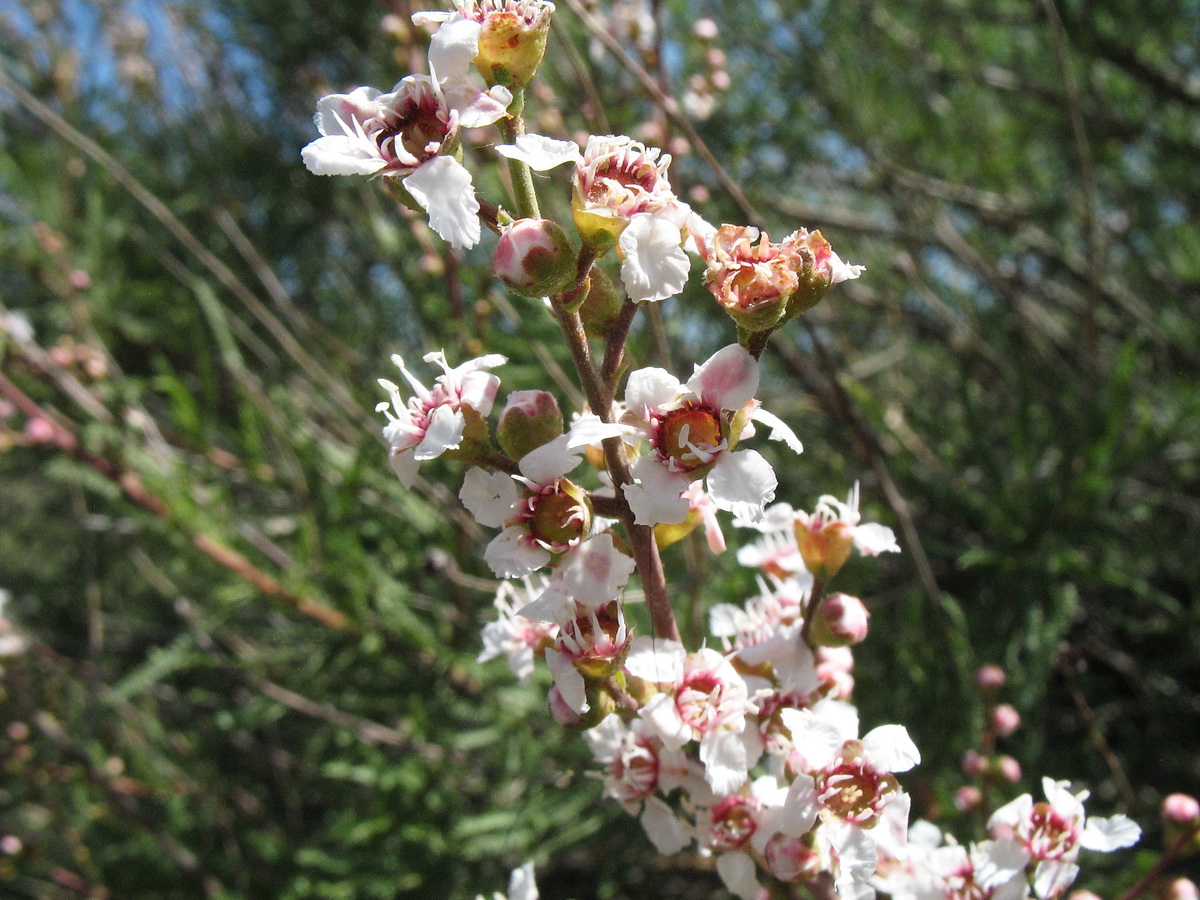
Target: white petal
476, 108
588, 429
404, 466
337, 113
891, 749
651, 388
725, 761
656, 498
510, 556
445, 431
998, 861
816, 739
544, 464
656, 660
737, 871
728, 378
521, 885
568, 680
430, 18
488, 496
840, 271
655, 267
541, 153
1050, 879
1109, 834
742, 483
596, 571
340, 155
872, 539
780, 430
1011, 813
800, 808
662, 715
444, 189
453, 48
665, 831
478, 390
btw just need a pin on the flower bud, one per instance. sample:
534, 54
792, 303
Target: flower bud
1005, 720
534, 258
990, 677
967, 797
839, 621
513, 40
531, 419
1007, 768
1181, 889
824, 548
973, 763
1180, 809
818, 268
600, 706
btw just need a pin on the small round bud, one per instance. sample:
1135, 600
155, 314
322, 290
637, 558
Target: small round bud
1005, 719
967, 797
973, 763
1008, 769
705, 29
531, 419
534, 258
1082, 895
513, 39
990, 677
1180, 809
839, 621
1181, 889
11, 845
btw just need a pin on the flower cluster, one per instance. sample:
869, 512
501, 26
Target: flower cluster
747, 749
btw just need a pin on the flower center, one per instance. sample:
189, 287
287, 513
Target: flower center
732, 823
556, 519
855, 792
690, 435
419, 124
1049, 835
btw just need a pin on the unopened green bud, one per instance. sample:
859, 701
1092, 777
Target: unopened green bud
534, 258
531, 419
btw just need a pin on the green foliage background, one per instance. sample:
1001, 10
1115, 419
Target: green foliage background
1013, 380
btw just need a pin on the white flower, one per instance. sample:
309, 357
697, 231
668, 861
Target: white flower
406, 132
433, 420
705, 700
513, 635
621, 190
870, 538
692, 429
1052, 832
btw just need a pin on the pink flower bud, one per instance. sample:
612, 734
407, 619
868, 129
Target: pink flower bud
839, 621
534, 258
1005, 719
1181, 889
967, 797
973, 763
1180, 809
705, 29
39, 431
1083, 895
990, 677
531, 419
11, 844
1008, 769
79, 279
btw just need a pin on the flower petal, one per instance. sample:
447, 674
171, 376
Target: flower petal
444, 189
780, 430
510, 556
891, 749
340, 155
665, 831
656, 497
541, 153
737, 871
488, 496
453, 48
444, 432
1108, 834
742, 483
728, 378
655, 266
